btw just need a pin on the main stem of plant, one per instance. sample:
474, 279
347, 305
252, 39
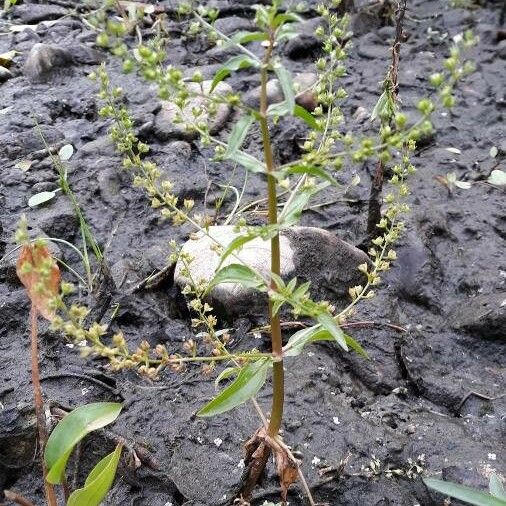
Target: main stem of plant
274, 320
39, 403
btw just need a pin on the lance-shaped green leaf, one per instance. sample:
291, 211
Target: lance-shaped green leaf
247, 384
462, 493
240, 61
243, 37
314, 334
286, 83
225, 374
311, 170
237, 273
496, 487
266, 232
71, 429
247, 161
98, 483
329, 324
294, 207
306, 116
238, 134
286, 17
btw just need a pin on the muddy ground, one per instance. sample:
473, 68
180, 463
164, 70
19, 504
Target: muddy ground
432, 393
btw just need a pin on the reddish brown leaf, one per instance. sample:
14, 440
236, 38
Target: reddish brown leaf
287, 470
39, 273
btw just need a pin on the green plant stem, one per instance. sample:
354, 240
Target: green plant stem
39, 404
278, 374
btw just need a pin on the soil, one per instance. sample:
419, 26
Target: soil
434, 392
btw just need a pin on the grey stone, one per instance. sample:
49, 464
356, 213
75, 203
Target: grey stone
308, 253
5, 74
233, 24
365, 21
501, 49
372, 48
301, 82
43, 59
81, 53
34, 13
165, 125
124, 274
100, 146
57, 219
483, 316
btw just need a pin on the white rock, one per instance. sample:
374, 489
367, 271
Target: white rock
165, 125
43, 59
308, 253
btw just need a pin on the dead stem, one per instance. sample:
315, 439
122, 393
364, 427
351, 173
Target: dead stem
17, 498
39, 404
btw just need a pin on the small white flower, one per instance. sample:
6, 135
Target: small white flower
218, 442
492, 456
315, 461
257, 335
336, 420
241, 464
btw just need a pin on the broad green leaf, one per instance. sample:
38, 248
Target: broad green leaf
247, 384
243, 37
238, 134
497, 177
496, 487
265, 232
286, 82
225, 374
40, 198
72, 429
286, 32
356, 346
462, 493
314, 334
235, 63
237, 273
235, 245
306, 116
247, 161
328, 323
286, 17
66, 152
313, 171
98, 483
297, 341
279, 109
